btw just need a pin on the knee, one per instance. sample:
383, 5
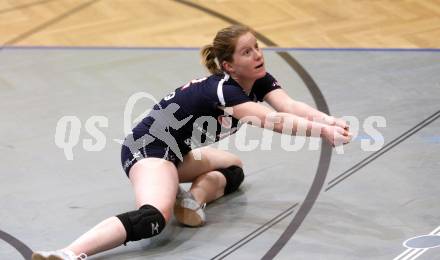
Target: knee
167, 214
234, 177
145, 222
237, 162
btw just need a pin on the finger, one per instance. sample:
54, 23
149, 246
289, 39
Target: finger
347, 139
342, 123
341, 130
347, 133
339, 140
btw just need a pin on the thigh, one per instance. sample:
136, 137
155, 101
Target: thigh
202, 160
155, 183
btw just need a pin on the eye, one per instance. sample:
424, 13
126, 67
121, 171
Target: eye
246, 52
256, 46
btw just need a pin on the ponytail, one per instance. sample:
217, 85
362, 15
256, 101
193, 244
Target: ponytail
208, 59
222, 48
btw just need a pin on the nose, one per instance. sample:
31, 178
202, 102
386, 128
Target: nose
258, 54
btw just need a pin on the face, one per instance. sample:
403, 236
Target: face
248, 61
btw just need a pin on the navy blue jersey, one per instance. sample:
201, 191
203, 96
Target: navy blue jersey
192, 115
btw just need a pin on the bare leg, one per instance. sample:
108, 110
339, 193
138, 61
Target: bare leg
208, 187
108, 234
208, 184
155, 183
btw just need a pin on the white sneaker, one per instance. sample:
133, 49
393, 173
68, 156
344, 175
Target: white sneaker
187, 210
57, 255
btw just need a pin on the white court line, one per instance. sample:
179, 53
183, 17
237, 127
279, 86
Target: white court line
418, 254
436, 231
412, 253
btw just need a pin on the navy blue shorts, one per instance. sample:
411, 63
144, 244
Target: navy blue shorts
156, 149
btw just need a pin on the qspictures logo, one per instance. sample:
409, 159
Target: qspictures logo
69, 127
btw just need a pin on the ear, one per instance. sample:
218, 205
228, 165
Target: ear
227, 66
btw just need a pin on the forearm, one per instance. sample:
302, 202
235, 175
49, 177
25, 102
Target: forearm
287, 123
303, 110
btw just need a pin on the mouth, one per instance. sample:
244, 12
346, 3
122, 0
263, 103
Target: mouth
259, 66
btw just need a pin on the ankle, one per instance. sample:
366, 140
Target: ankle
70, 252
198, 195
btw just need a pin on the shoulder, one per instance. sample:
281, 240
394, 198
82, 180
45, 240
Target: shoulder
264, 85
230, 93
267, 80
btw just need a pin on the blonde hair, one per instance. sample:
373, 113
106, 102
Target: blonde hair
222, 48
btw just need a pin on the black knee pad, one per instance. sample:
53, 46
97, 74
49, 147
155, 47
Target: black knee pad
234, 177
142, 223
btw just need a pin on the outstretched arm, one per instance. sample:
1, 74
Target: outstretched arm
281, 102
286, 123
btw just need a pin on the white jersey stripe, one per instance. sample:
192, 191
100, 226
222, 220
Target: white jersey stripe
221, 98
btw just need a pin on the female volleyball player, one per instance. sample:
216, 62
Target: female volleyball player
169, 145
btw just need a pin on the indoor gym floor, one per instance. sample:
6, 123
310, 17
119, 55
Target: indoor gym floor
311, 203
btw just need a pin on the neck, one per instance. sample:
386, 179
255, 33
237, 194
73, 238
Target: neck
245, 84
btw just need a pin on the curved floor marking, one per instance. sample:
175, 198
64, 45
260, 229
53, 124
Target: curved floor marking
23, 249
324, 160
326, 151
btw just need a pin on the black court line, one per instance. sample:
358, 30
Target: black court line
306, 206
258, 35
323, 165
23, 249
326, 150
19, 7
47, 24
256, 232
382, 151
